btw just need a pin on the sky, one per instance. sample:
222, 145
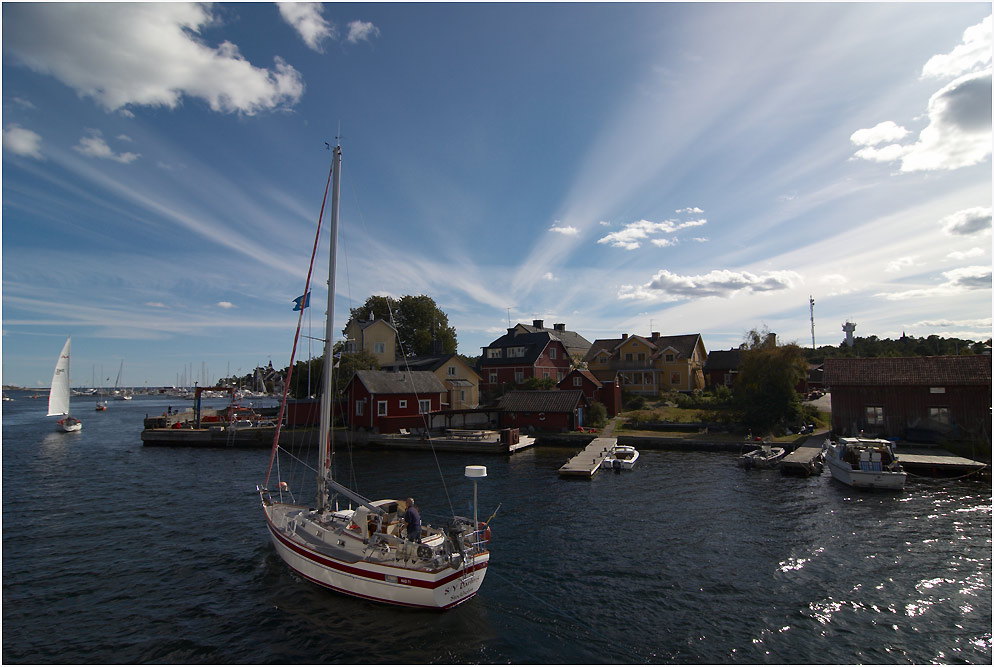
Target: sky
619, 168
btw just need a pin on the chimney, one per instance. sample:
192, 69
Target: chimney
538, 324
655, 335
624, 336
559, 327
510, 332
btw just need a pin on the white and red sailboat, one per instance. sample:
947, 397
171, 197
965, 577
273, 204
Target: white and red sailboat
357, 546
58, 397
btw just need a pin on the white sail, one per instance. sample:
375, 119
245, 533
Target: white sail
58, 398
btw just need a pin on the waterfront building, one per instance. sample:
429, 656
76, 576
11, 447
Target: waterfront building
375, 336
459, 378
650, 366
385, 401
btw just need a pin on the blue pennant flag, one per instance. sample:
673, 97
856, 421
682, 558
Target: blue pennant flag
302, 301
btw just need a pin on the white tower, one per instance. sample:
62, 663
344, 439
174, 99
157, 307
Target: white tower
849, 328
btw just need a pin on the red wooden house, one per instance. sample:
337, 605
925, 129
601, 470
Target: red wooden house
608, 392
517, 356
552, 410
915, 398
385, 402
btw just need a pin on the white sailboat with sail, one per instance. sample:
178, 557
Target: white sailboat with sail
362, 550
58, 397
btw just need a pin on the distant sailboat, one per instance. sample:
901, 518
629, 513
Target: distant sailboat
58, 397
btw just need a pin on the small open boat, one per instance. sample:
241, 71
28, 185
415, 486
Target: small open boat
622, 457
763, 458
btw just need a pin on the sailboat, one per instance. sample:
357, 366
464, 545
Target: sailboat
58, 397
361, 550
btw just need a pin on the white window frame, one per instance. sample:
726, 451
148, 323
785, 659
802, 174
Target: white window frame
939, 414
402, 403
424, 406
874, 415
451, 371
381, 409
519, 377
379, 347
493, 353
552, 353
358, 408
577, 381
493, 377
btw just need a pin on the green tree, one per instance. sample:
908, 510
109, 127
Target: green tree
766, 389
596, 414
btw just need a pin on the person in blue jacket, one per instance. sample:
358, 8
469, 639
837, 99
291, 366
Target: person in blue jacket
413, 520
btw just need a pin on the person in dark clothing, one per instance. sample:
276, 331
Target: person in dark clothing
413, 520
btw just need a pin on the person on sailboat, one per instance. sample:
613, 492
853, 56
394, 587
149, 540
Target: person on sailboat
413, 520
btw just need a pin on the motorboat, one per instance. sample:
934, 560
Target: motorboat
621, 457
765, 457
865, 463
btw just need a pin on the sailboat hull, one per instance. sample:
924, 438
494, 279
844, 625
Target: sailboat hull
385, 581
70, 425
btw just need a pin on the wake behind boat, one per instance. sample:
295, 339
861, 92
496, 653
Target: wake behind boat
58, 397
866, 463
364, 550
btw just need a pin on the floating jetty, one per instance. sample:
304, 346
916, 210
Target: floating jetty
473, 441
935, 462
588, 461
804, 461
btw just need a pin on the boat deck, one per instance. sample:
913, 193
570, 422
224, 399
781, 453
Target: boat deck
588, 461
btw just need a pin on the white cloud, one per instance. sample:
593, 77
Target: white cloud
361, 31
634, 233
156, 304
568, 230
225, 304
967, 222
548, 276
94, 145
667, 286
663, 243
967, 254
957, 281
143, 54
899, 264
693, 209
975, 51
959, 114
878, 134
21, 141
604, 223
927, 324
306, 19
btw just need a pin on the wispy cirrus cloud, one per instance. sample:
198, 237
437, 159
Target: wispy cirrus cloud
667, 286
361, 31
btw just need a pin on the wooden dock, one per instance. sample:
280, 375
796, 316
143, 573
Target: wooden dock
803, 461
588, 461
935, 462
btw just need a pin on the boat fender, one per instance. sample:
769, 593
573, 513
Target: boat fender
284, 486
484, 532
424, 552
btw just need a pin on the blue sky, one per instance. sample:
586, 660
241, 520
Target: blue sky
620, 168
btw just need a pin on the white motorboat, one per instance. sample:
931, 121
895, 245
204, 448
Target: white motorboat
58, 397
865, 463
622, 457
362, 551
766, 456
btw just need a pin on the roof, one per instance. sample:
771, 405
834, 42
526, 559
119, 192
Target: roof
388, 382
722, 360
426, 363
554, 400
364, 324
684, 344
575, 343
947, 370
585, 373
535, 344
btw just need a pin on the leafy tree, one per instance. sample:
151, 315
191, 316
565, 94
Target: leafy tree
765, 391
422, 327
596, 414
534, 383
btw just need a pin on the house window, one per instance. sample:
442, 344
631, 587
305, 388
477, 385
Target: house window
670, 357
874, 415
552, 353
462, 394
603, 359
424, 406
939, 415
379, 348
628, 356
403, 403
358, 408
545, 374
381, 408
577, 381
936, 390
350, 346
451, 371
493, 377
519, 377
493, 353
641, 356
675, 379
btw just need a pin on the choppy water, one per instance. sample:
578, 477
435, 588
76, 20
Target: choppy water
115, 553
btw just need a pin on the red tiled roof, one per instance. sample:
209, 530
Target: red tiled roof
947, 370
541, 401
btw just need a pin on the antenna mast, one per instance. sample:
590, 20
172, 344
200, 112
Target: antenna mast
811, 299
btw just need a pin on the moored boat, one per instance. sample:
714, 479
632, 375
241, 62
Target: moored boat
622, 457
865, 463
763, 458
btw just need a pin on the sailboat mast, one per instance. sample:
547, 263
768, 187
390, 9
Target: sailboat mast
324, 454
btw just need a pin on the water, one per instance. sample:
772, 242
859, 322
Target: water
116, 553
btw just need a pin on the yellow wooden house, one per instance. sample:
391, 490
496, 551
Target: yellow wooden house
650, 366
378, 337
